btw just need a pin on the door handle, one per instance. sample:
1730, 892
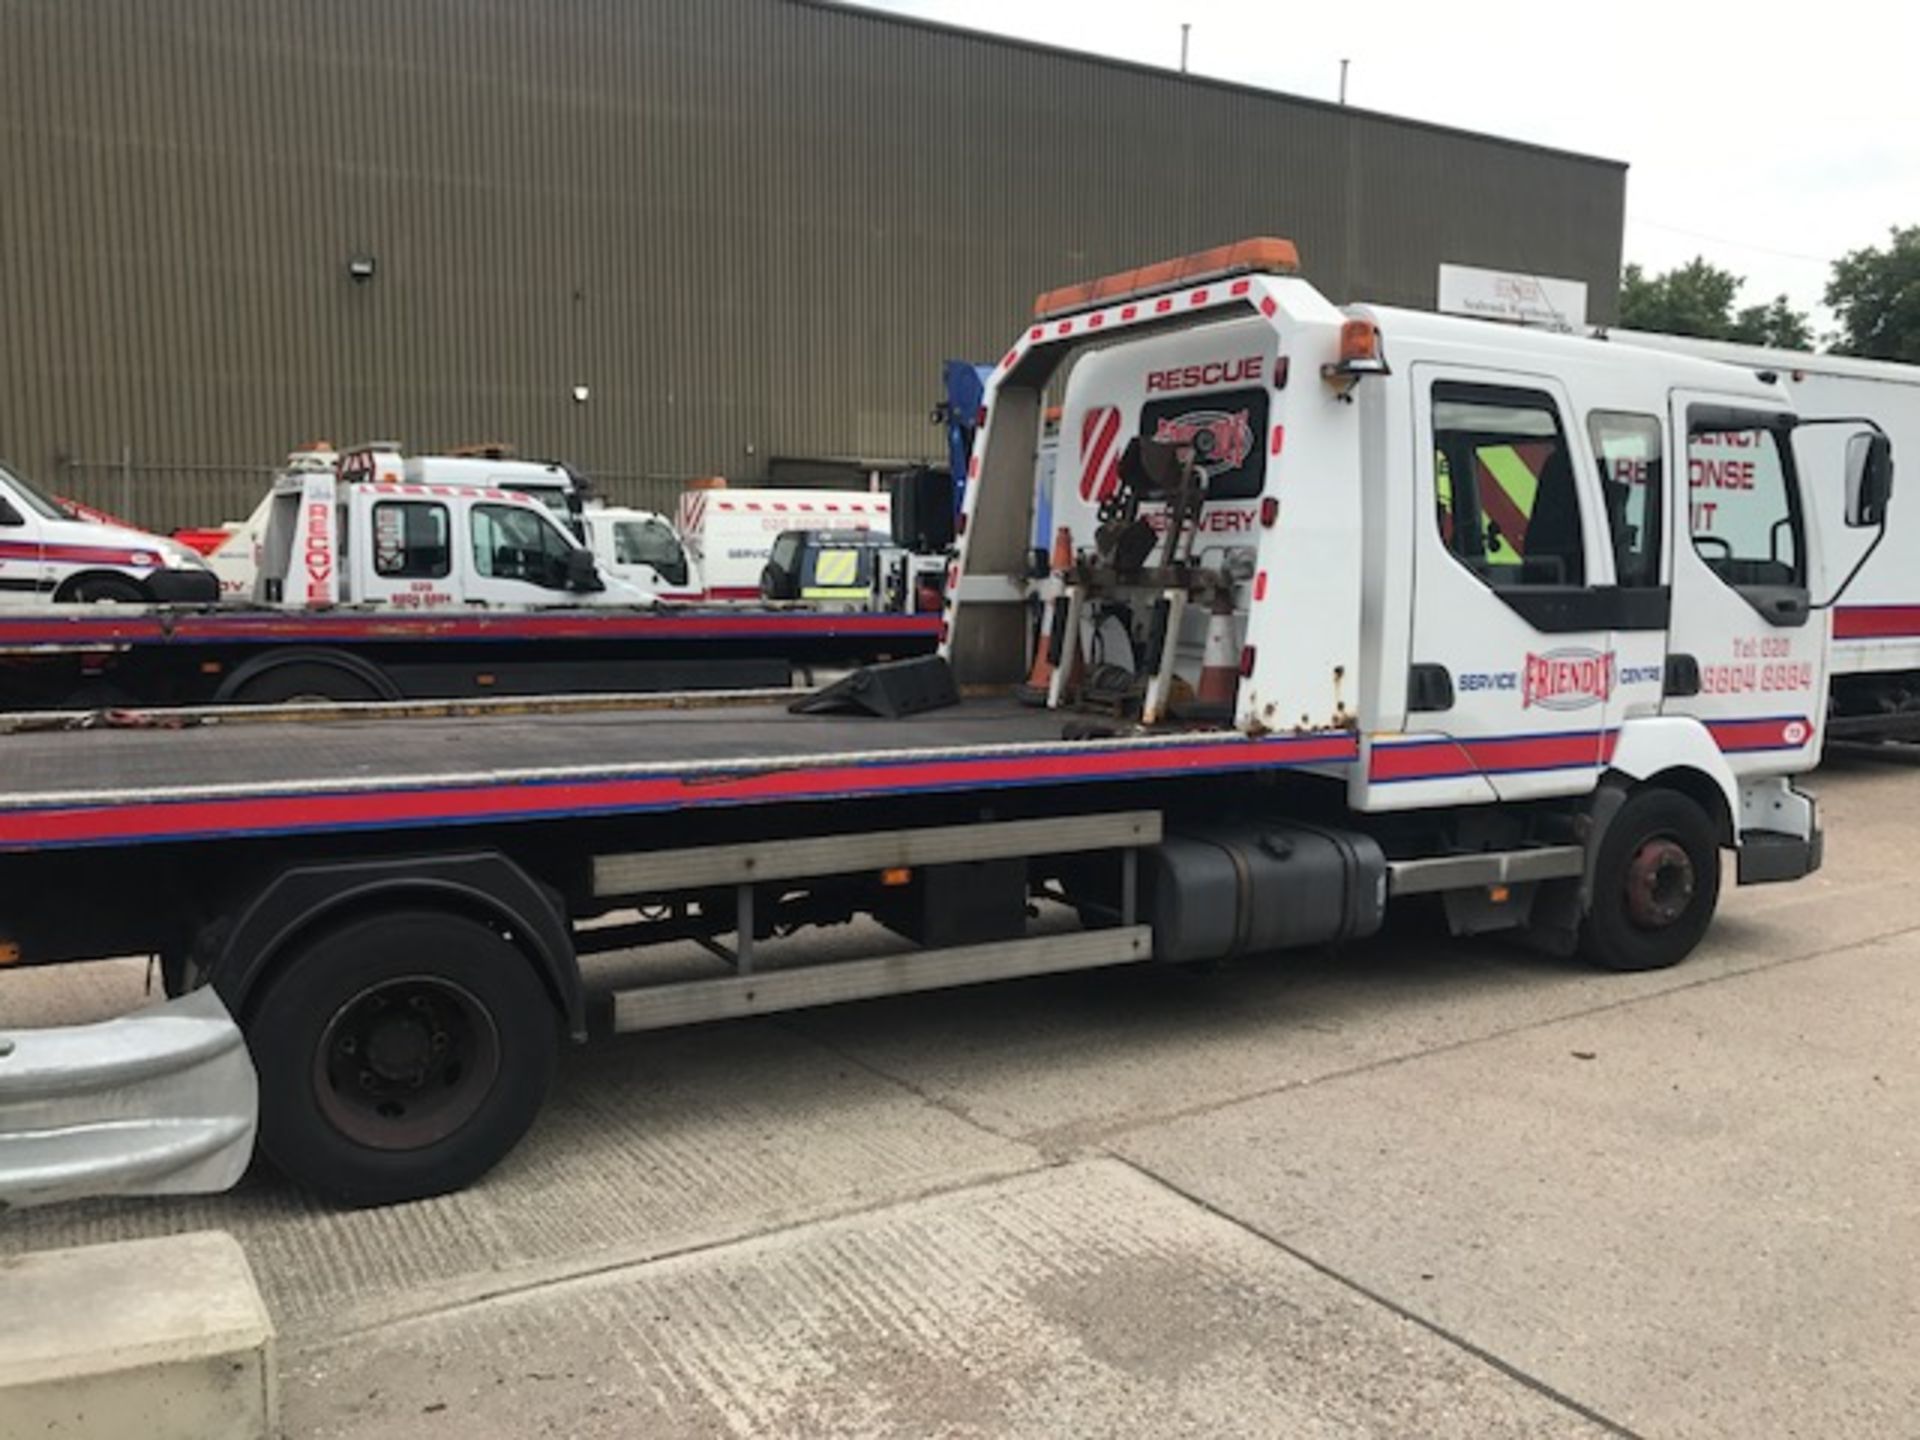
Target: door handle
1429, 688
1682, 676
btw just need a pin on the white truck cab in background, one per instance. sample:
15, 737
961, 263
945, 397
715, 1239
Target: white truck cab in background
47, 554
641, 549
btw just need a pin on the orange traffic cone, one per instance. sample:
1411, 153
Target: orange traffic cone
1038, 685
1219, 664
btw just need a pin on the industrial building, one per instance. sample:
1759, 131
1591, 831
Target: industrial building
654, 239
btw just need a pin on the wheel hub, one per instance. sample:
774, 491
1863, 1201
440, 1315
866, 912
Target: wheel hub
406, 1062
1660, 883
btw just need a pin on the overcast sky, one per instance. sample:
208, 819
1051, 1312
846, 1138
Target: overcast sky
1766, 142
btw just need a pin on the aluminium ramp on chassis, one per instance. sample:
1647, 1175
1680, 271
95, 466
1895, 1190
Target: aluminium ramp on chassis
160, 1102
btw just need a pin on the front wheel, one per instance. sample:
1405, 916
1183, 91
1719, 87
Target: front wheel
102, 590
400, 1055
1656, 882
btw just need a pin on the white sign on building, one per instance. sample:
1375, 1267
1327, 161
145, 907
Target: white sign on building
1544, 300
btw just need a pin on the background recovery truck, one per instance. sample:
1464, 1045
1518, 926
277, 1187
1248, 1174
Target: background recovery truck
1310, 668
371, 587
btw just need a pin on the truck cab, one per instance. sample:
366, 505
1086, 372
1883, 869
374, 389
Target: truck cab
1474, 549
643, 550
386, 543
48, 554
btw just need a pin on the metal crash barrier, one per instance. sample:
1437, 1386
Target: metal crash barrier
162, 1101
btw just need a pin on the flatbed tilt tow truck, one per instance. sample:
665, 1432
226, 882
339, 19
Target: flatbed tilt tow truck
1310, 645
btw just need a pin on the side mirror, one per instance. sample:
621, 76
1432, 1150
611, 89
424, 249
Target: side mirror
1869, 479
583, 575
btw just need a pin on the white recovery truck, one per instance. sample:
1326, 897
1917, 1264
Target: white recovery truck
1350, 606
368, 535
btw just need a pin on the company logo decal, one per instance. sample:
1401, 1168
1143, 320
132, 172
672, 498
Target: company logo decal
1569, 679
1220, 440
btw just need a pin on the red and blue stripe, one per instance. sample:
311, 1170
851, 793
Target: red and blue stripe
1396, 762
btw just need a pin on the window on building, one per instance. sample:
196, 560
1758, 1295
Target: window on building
1504, 487
511, 543
411, 540
1633, 485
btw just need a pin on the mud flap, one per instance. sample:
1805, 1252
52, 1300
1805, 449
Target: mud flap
160, 1102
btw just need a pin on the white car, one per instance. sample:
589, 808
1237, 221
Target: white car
46, 554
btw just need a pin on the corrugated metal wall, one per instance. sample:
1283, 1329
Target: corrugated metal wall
752, 228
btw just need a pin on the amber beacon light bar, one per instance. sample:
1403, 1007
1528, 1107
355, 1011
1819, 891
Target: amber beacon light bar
1264, 254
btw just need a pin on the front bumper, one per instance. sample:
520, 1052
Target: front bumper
1766, 856
184, 587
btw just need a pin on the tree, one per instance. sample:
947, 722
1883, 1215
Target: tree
1777, 325
1697, 299
1876, 294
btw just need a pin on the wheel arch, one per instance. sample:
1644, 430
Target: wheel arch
1675, 752
485, 886
63, 592
345, 661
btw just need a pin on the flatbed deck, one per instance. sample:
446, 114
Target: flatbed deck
87, 629
363, 770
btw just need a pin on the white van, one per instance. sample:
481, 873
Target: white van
729, 534
46, 554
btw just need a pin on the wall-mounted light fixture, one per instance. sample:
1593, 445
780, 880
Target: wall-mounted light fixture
360, 268
580, 393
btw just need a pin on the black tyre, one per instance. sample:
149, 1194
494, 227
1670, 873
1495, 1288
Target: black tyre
305, 682
102, 590
400, 1055
1656, 883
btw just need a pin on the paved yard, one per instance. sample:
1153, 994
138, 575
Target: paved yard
1416, 1188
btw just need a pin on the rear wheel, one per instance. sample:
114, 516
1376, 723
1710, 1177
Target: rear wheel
400, 1055
305, 682
1655, 884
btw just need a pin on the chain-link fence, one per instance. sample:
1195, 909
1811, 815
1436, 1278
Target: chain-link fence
165, 498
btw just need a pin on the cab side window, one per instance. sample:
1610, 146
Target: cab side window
1633, 483
510, 543
1504, 491
411, 540
1745, 517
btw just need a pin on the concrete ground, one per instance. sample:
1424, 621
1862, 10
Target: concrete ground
1419, 1188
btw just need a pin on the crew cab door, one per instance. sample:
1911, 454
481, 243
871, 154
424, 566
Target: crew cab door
401, 553
1748, 654
1516, 617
